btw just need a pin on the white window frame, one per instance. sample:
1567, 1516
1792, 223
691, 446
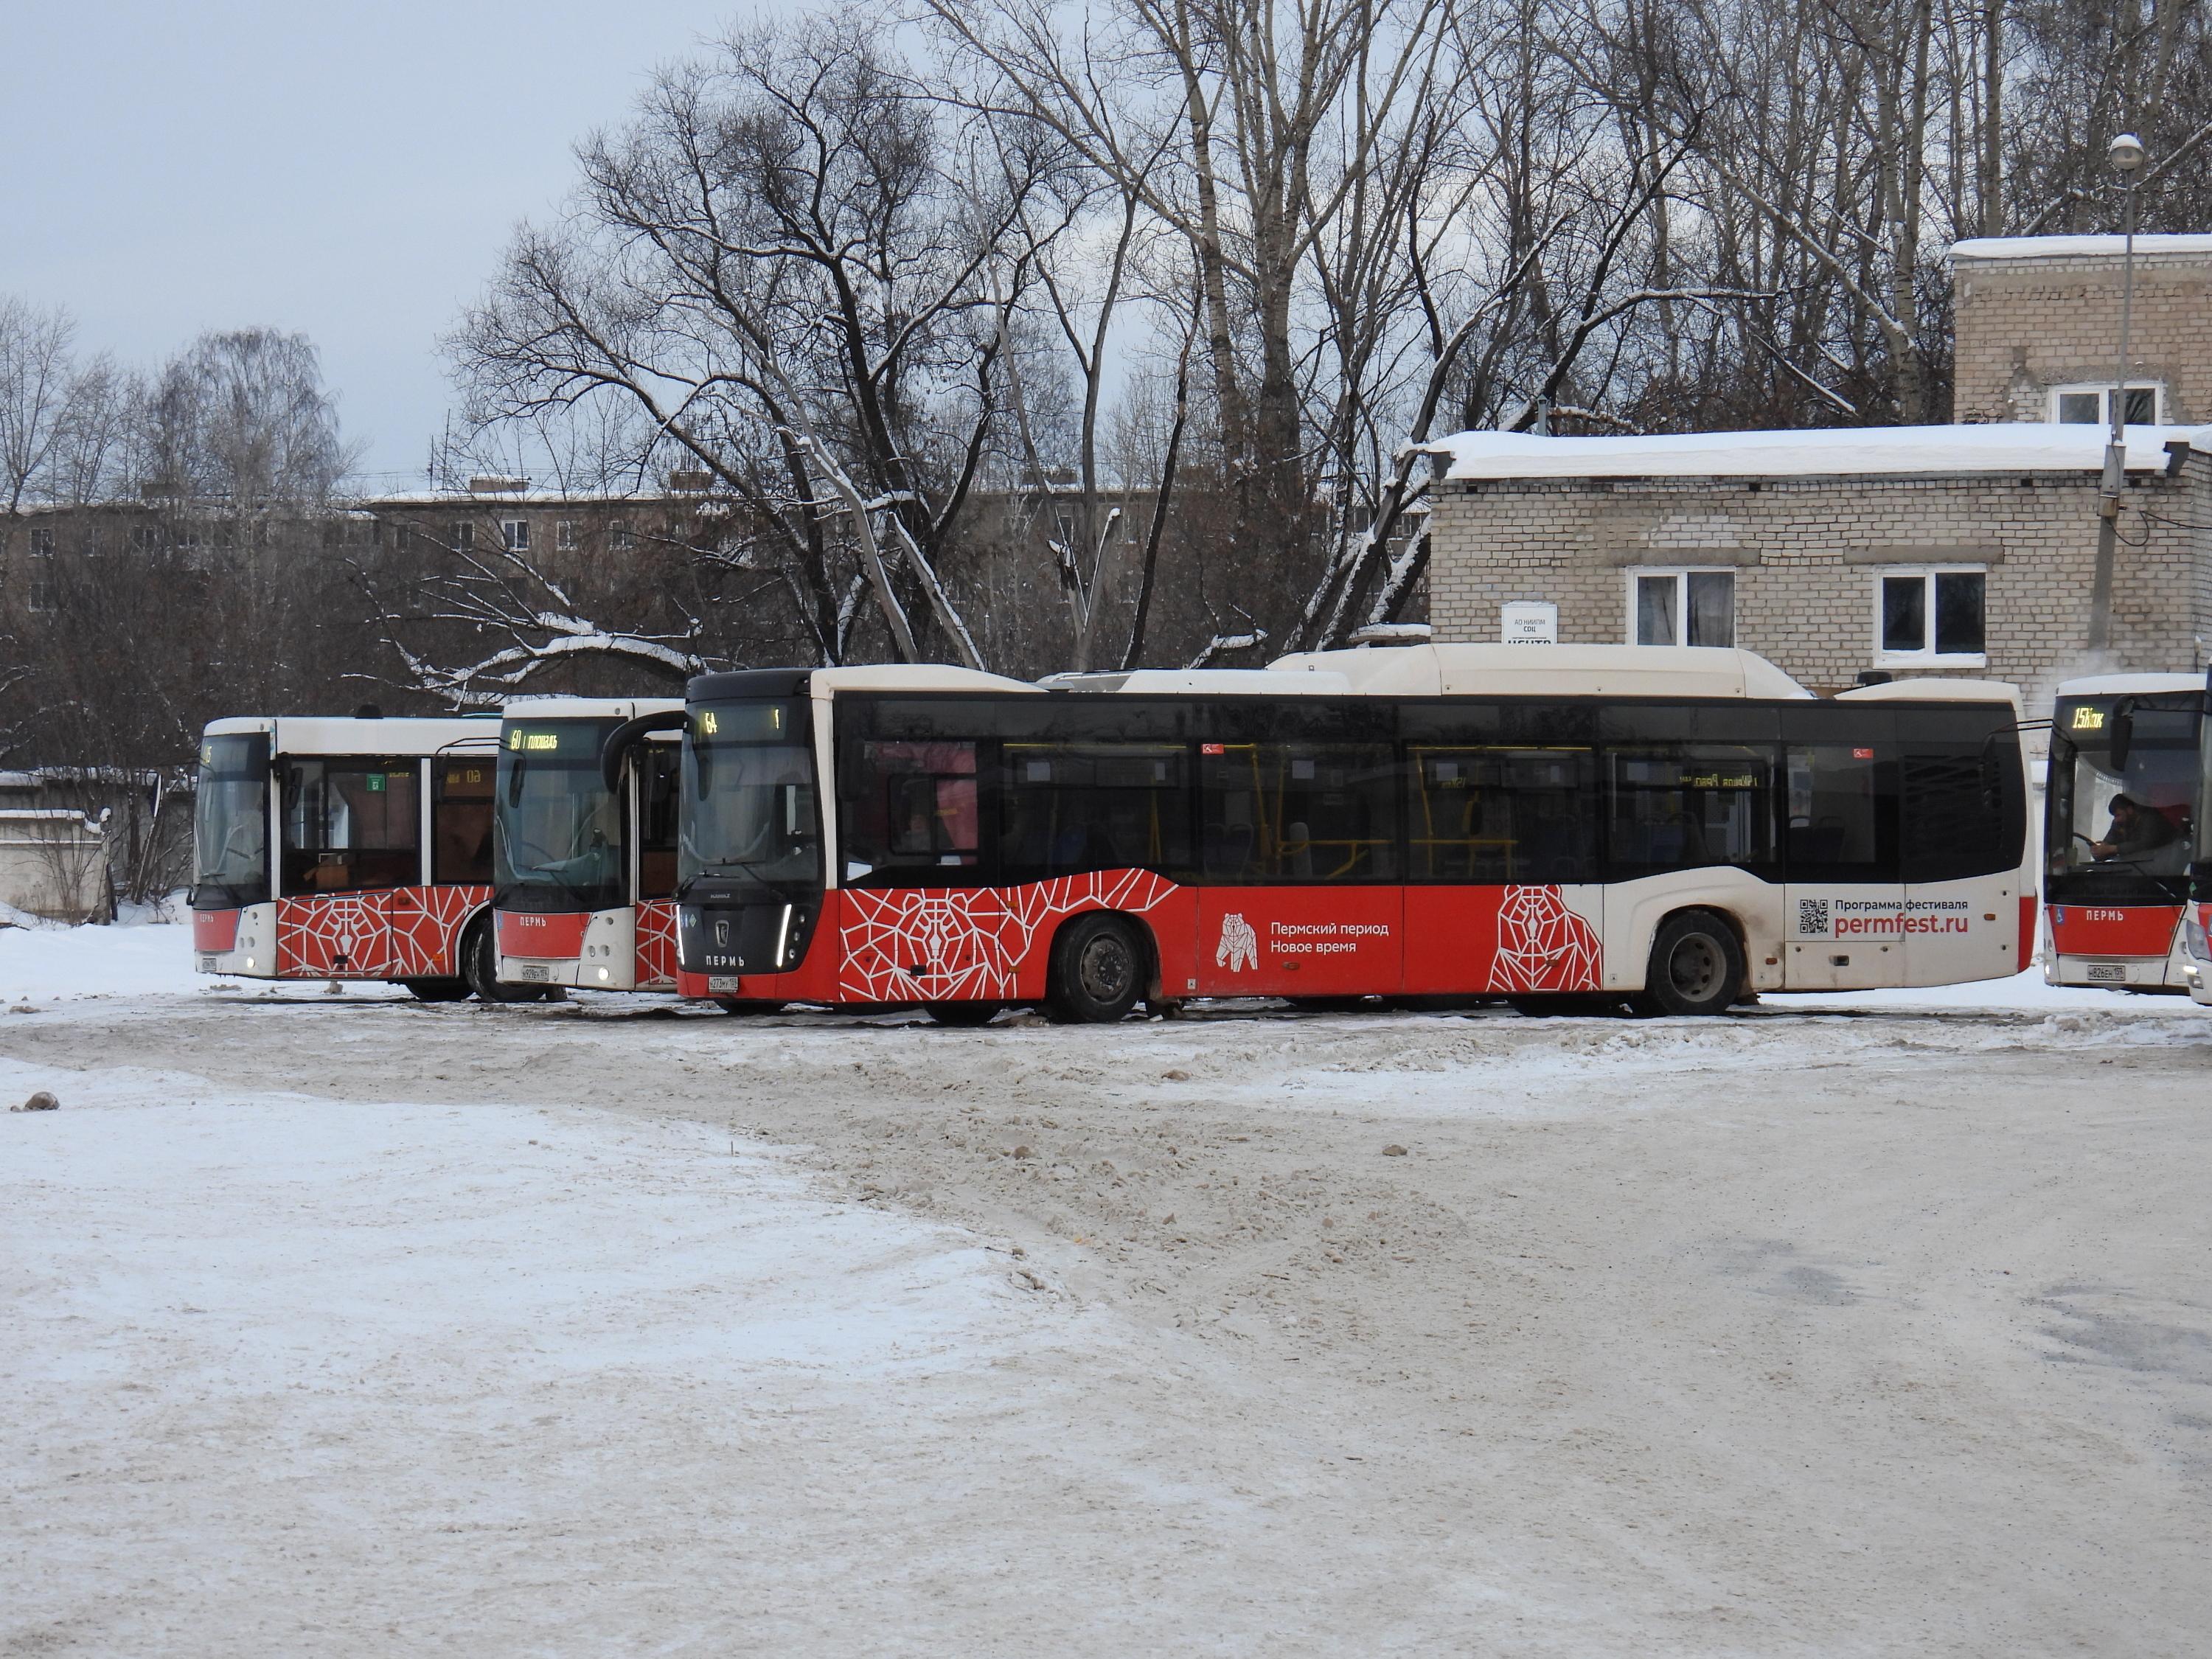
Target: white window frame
1928, 657
620, 537
514, 535
1682, 574
2103, 392
564, 536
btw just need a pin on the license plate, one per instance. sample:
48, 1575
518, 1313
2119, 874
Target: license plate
2107, 973
723, 982
207, 964
537, 972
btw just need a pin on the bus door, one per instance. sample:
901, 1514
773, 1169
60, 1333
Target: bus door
1844, 885
353, 851
1963, 812
1299, 861
654, 770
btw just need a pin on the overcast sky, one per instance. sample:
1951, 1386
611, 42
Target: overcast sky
348, 170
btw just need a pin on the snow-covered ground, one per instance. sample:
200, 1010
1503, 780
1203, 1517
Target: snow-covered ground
1877, 1322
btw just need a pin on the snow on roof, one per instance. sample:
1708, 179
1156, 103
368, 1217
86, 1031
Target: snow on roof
2073, 247
1874, 450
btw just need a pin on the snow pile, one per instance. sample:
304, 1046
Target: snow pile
48, 963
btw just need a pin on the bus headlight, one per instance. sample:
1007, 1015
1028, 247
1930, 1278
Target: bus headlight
2192, 939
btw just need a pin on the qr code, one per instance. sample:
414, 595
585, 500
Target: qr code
1813, 916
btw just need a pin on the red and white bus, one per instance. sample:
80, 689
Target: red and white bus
382, 853
585, 867
2119, 806
1568, 826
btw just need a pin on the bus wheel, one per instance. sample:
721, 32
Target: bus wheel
963, 1013
732, 1006
436, 990
1097, 972
480, 966
1696, 967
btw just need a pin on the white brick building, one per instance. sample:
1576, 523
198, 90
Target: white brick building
1964, 549
1967, 549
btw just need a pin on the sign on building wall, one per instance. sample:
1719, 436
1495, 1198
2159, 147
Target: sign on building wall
1529, 621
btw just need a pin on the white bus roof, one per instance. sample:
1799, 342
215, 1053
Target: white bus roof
911, 677
339, 734
1201, 682
587, 708
1554, 671
2122, 686
1934, 688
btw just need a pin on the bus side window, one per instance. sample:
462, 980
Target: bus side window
352, 826
910, 813
1298, 812
1683, 807
1963, 809
1839, 817
1496, 815
657, 796
461, 822
1066, 808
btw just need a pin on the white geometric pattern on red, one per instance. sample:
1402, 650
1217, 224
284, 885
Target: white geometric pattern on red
1543, 945
971, 941
656, 945
407, 932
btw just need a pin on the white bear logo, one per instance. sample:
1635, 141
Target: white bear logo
1240, 946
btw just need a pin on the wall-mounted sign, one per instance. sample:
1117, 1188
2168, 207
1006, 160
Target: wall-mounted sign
1529, 621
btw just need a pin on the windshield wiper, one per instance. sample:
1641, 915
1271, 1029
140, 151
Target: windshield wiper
741, 866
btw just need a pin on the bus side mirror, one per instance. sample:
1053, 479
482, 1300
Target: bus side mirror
2122, 736
615, 750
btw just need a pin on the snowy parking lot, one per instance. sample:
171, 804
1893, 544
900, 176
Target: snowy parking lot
341, 1324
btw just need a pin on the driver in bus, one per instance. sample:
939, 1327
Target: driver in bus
2136, 829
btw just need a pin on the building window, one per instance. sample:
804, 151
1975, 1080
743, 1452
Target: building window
564, 535
2091, 406
464, 535
619, 536
41, 595
1931, 616
1681, 607
514, 535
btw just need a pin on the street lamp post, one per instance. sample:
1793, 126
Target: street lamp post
2125, 153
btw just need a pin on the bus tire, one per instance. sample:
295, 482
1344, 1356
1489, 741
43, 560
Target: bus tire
737, 1006
963, 1013
436, 990
1697, 966
1098, 970
480, 966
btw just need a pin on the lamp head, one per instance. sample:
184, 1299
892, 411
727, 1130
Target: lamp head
2125, 153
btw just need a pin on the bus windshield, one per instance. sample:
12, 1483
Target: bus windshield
2122, 790
749, 795
230, 823
557, 844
